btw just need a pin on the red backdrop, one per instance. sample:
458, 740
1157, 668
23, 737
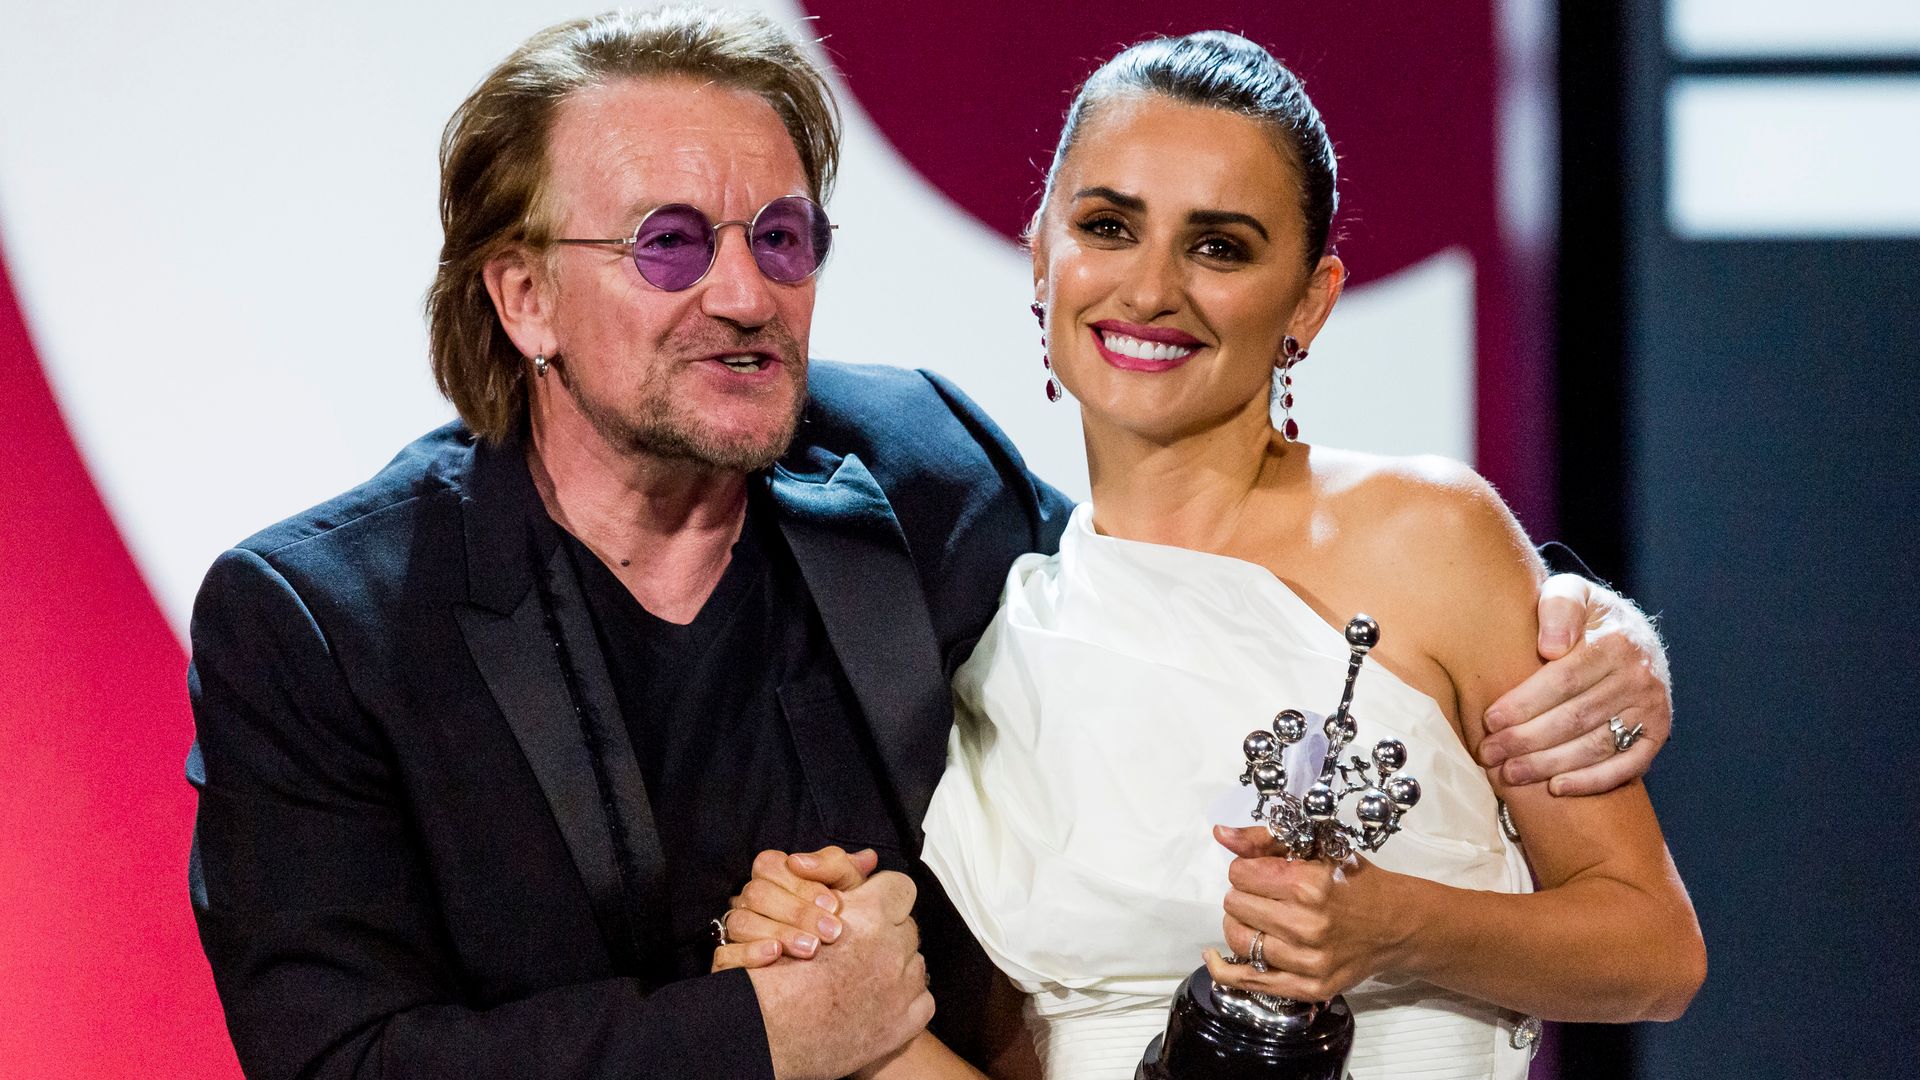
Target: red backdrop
100, 972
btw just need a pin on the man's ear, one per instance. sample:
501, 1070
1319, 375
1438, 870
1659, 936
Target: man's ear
516, 281
1323, 290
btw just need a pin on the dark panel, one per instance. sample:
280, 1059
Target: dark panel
1773, 507
1590, 298
1776, 505
1589, 344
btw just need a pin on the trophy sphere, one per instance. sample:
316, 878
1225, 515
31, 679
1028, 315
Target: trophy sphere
1340, 729
1259, 746
1290, 726
1374, 808
1320, 803
1363, 633
1268, 778
1389, 755
1404, 790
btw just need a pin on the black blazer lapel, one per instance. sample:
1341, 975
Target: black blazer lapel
534, 643
855, 560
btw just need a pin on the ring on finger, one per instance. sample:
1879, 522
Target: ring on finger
719, 928
1257, 952
1623, 736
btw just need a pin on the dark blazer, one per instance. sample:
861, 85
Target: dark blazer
423, 845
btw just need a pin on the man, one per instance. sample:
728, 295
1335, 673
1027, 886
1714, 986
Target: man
486, 742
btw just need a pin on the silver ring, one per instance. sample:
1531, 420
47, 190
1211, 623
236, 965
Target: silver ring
1624, 736
719, 928
1257, 952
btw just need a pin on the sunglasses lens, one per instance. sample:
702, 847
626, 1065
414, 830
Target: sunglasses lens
791, 237
674, 247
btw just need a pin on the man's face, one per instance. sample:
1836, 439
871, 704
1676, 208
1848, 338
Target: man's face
715, 373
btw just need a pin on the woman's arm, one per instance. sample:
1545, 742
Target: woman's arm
1611, 936
926, 1056
1013, 1053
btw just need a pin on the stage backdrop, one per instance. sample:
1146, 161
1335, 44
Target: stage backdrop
217, 221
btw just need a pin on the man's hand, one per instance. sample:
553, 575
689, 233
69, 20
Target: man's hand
864, 998
791, 906
1604, 661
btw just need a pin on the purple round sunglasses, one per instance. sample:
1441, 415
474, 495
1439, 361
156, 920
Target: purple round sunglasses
675, 245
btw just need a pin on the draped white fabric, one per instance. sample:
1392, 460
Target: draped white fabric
1098, 739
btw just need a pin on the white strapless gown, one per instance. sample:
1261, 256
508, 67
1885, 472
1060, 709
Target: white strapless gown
1098, 739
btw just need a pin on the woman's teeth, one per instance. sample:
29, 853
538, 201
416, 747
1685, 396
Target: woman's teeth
742, 363
1144, 350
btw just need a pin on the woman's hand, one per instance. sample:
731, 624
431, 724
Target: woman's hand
791, 905
1326, 926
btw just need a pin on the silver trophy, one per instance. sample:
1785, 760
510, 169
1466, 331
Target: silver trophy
1218, 1031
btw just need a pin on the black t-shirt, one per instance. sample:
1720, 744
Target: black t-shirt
747, 733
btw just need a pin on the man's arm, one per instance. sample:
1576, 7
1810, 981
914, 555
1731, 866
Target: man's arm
324, 931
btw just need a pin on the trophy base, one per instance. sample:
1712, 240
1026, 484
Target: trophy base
1201, 1043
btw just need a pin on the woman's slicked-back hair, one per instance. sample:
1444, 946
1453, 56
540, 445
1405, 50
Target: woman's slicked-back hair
493, 164
1221, 70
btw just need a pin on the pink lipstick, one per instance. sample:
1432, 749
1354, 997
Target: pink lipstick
1137, 347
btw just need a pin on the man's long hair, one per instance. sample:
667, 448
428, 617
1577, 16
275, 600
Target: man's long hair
493, 165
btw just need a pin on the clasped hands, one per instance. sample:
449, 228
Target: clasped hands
793, 905
850, 1005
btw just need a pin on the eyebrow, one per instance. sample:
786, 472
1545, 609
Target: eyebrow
1117, 198
1198, 217
1228, 217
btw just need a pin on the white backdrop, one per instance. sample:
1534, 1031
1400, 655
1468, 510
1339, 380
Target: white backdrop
220, 218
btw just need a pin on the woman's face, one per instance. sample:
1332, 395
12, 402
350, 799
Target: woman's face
1172, 261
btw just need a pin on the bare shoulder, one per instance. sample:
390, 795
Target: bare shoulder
1429, 512
1431, 544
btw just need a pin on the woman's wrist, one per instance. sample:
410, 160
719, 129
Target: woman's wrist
1415, 911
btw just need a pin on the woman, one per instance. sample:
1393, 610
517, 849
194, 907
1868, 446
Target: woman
1181, 268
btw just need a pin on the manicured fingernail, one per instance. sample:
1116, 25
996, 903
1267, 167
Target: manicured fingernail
827, 901
806, 862
1519, 774
1496, 719
805, 944
766, 950
1556, 786
1492, 754
829, 928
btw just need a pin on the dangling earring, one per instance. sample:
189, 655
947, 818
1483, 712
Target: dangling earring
540, 366
1293, 354
1053, 387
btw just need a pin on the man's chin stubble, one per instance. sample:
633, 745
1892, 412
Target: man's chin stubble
670, 434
